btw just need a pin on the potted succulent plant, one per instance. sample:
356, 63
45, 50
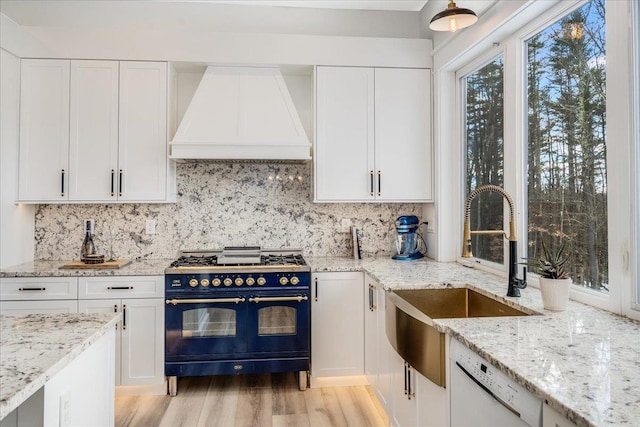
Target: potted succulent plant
554, 278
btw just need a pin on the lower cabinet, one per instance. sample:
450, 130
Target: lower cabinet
408, 398
337, 325
378, 352
140, 334
38, 295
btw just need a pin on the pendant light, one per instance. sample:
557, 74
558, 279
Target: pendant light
453, 18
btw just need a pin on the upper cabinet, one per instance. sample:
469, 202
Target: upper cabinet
94, 131
44, 130
373, 135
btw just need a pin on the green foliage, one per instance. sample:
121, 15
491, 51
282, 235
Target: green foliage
552, 264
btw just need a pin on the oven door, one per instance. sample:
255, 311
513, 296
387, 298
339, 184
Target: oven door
197, 327
279, 323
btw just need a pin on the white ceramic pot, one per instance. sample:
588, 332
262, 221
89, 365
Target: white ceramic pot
555, 293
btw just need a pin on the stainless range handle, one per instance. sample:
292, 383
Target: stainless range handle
298, 298
205, 300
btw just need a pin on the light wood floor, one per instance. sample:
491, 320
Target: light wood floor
252, 400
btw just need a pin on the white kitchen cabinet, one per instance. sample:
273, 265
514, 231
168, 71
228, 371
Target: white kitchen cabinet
142, 155
44, 130
31, 295
140, 334
93, 136
94, 131
337, 325
378, 351
405, 406
416, 400
373, 135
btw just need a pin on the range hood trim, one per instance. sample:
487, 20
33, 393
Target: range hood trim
241, 98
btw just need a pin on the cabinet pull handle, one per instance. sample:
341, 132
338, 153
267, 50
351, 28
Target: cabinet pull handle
316, 283
370, 297
406, 390
121, 174
62, 183
410, 393
32, 289
124, 316
113, 182
115, 310
379, 183
119, 288
371, 182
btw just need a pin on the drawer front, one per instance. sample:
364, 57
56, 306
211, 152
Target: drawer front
38, 307
38, 288
121, 287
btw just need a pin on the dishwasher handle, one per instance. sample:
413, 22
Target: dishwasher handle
483, 387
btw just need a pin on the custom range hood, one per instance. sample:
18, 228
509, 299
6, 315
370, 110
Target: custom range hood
241, 113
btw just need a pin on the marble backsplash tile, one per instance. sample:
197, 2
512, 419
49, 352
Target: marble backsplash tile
218, 204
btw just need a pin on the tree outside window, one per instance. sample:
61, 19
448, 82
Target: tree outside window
484, 135
567, 177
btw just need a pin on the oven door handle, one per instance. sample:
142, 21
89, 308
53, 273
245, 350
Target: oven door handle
205, 300
298, 298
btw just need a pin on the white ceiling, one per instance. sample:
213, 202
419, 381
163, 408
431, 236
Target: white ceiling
398, 5
360, 18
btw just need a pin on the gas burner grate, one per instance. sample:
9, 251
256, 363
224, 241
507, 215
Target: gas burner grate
196, 261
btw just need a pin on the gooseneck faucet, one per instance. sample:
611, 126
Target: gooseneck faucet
515, 284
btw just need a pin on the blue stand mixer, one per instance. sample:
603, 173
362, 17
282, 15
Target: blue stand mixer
408, 241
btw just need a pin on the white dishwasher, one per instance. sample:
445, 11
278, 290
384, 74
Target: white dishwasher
482, 396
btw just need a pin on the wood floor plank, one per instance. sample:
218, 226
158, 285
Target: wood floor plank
255, 401
287, 399
291, 420
185, 412
140, 410
252, 400
357, 407
221, 402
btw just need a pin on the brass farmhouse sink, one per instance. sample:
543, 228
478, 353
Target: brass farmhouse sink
409, 323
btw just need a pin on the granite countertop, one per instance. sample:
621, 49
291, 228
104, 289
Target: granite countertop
145, 267
584, 362
37, 346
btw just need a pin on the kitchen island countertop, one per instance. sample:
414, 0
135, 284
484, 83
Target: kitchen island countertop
584, 362
35, 347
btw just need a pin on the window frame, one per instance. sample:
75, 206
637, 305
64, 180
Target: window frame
619, 117
633, 259
485, 59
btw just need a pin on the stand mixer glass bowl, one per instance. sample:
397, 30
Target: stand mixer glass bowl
408, 241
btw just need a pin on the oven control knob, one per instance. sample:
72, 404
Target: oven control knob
227, 282
250, 281
295, 280
261, 281
215, 282
193, 283
239, 281
204, 282
284, 280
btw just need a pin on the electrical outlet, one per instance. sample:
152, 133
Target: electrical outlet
345, 225
87, 225
150, 227
64, 419
429, 226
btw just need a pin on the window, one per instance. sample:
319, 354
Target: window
567, 176
483, 124
635, 302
